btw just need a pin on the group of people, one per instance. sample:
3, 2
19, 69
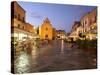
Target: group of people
72, 45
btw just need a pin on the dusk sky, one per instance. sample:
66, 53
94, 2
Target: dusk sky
62, 16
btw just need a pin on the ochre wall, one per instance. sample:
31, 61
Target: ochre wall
46, 29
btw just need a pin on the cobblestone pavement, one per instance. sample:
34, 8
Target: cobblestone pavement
56, 56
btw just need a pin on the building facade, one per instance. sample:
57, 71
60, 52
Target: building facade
89, 24
61, 34
46, 30
19, 28
76, 30
87, 27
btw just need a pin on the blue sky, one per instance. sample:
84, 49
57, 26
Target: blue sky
61, 16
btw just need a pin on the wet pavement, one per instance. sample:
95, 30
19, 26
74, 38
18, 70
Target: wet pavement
56, 56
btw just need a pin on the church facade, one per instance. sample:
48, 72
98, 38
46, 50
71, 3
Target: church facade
46, 30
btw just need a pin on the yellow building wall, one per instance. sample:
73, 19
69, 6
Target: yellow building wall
46, 30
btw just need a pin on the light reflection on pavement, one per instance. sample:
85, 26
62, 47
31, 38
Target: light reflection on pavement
53, 57
22, 63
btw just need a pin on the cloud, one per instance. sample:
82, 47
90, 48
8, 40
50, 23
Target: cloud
35, 15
